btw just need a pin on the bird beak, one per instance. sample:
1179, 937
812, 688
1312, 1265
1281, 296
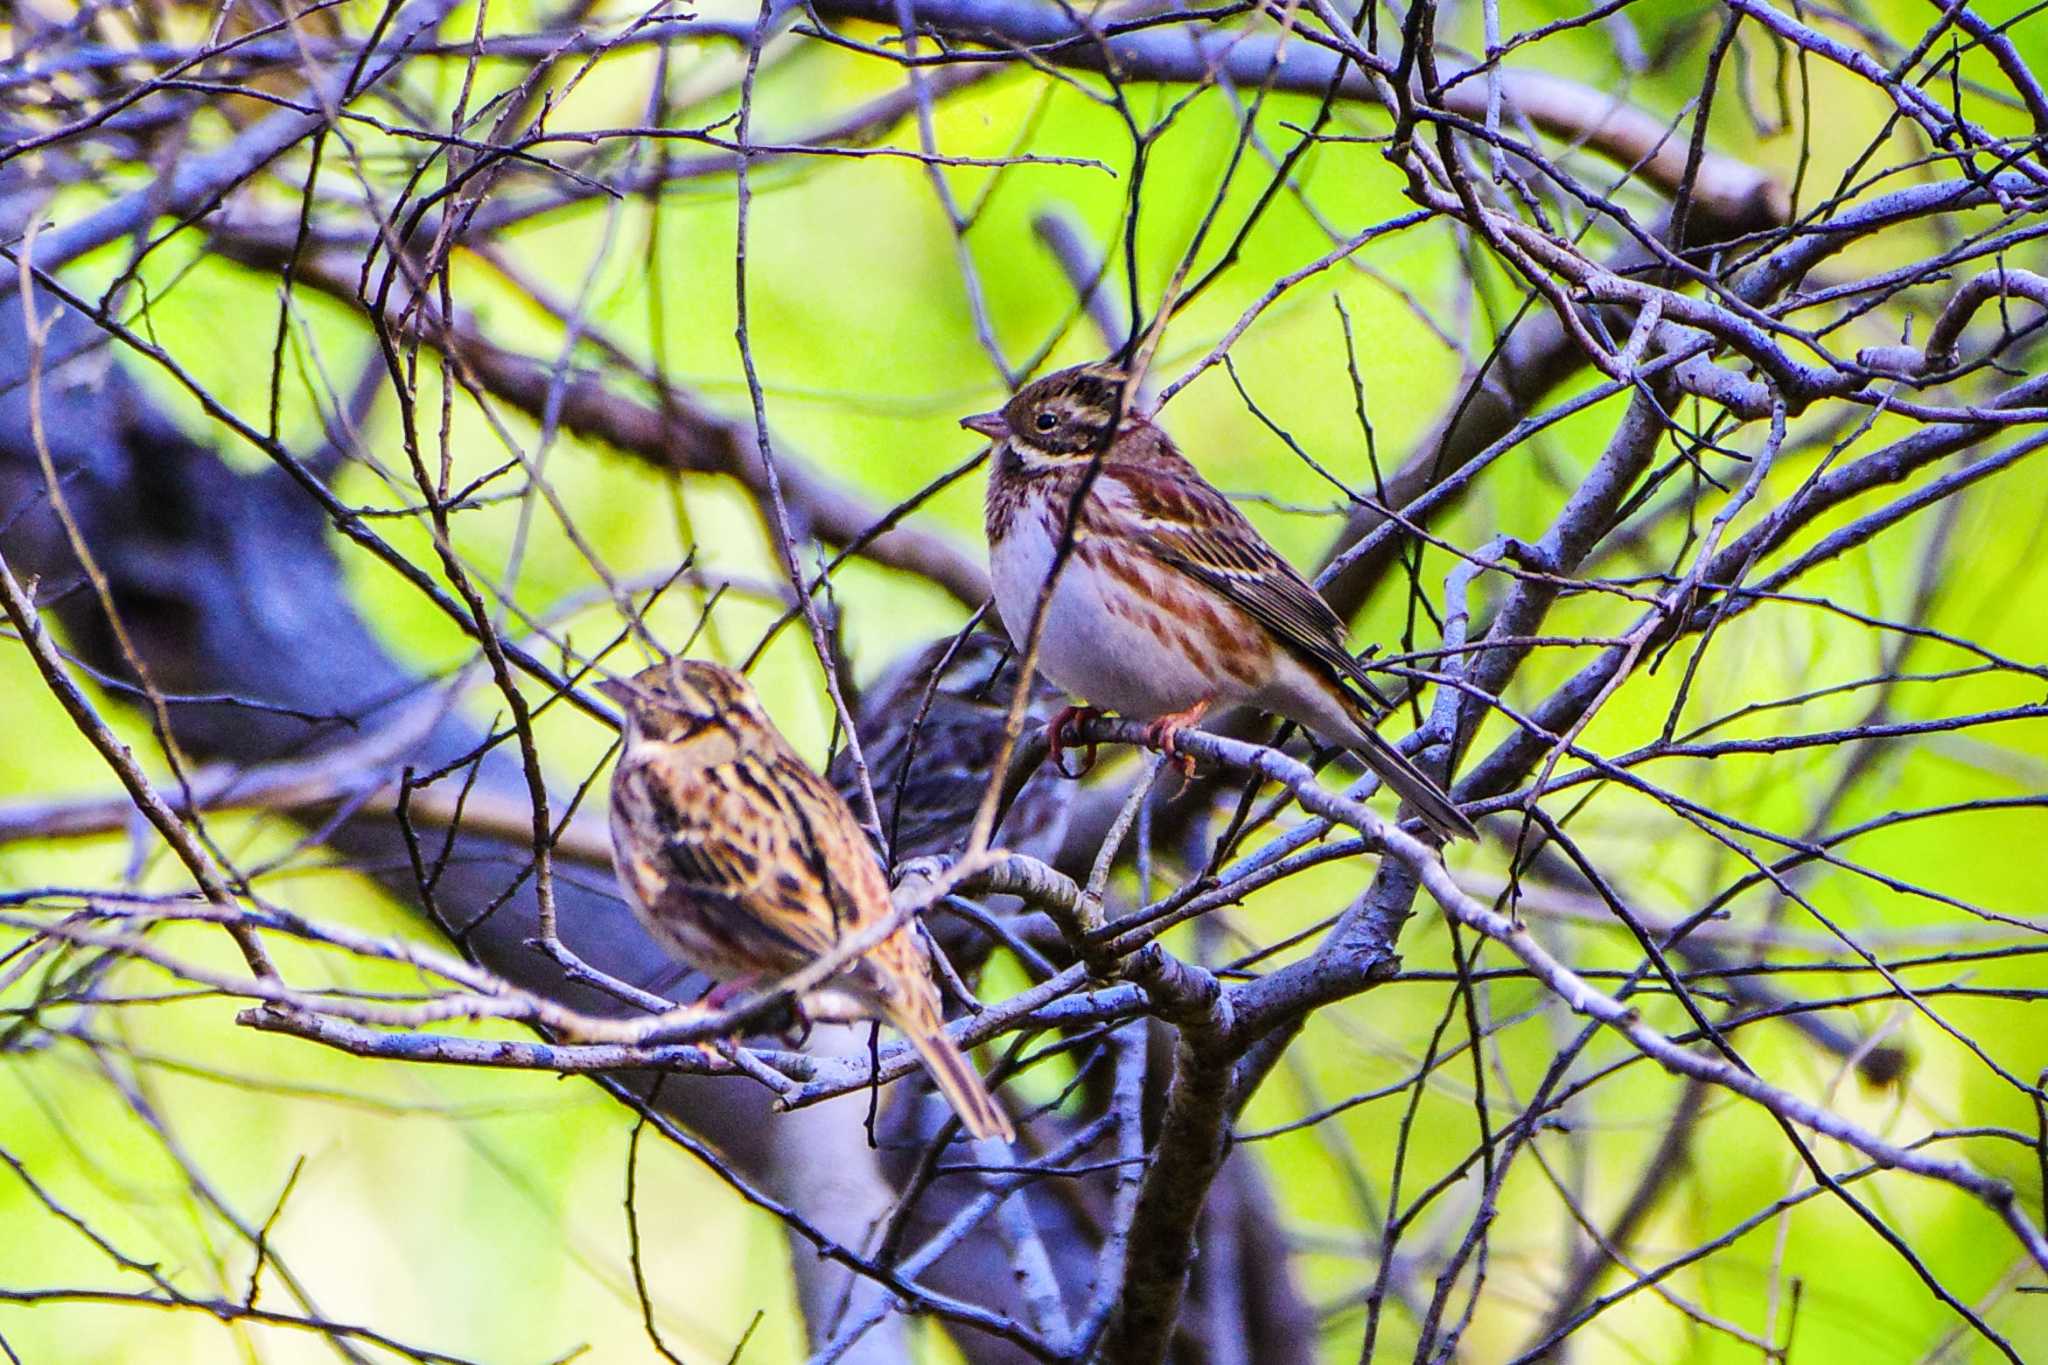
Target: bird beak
618, 690
989, 424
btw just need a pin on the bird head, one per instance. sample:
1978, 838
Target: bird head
682, 701
1065, 416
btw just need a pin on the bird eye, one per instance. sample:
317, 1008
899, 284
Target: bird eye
1046, 421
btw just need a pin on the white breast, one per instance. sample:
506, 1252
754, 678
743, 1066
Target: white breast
1019, 562
1105, 642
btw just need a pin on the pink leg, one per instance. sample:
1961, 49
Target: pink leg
1164, 735
1069, 718
725, 993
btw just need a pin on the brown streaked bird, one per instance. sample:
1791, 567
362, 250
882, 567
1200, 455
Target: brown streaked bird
1170, 601
743, 862
931, 729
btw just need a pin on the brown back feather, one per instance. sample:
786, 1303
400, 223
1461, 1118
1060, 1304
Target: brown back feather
1185, 522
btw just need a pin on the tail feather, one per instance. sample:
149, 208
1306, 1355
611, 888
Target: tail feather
957, 1080
1415, 787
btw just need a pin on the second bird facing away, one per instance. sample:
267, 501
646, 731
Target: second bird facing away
743, 862
931, 728
1170, 601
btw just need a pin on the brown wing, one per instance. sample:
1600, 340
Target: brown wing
827, 843
1185, 522
819, 881
829, 885
740, 852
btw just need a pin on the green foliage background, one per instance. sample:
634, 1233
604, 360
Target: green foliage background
481, 1213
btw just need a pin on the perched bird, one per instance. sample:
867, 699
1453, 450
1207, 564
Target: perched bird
931, 730
743, 862
1170, 601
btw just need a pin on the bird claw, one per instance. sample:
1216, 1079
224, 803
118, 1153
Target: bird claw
1164, 735
718, 997
796, 1031
1070, 718
722, 993
1167, 743
793, 1027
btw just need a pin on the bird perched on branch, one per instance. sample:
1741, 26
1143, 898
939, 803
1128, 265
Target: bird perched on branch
931, 728
743, 862
1169, 602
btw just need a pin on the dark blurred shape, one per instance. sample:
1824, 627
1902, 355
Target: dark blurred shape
931, 730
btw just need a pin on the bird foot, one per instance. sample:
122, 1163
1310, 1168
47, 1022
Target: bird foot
719, 994
795, 1031
667, 1029
1070, 720
1164, 735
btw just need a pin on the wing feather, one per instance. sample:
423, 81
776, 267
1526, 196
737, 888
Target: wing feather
1186, 523
751, 851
